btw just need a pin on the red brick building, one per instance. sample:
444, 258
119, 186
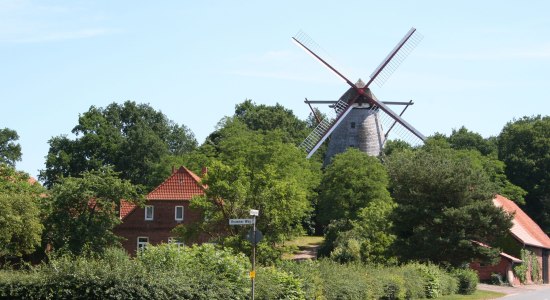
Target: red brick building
166, 207
524, 234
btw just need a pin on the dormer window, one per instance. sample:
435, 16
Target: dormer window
352, 125
179, 213
149, 212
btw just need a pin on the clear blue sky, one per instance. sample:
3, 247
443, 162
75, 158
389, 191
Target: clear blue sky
481, 63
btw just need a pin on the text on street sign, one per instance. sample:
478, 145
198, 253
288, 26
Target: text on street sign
241, 221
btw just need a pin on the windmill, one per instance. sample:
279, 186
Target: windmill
359, 119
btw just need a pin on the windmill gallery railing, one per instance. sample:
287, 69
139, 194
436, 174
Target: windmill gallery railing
385, 122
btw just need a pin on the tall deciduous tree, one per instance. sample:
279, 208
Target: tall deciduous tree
10, 151
131, 137
354, 205
350, 183
524, 146
20, 213
444, 199
255, 170
267, 118
84, 210
463, 139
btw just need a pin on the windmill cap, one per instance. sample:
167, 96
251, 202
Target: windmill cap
360, 84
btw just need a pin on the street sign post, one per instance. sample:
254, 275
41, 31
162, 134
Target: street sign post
239, 222
254, 236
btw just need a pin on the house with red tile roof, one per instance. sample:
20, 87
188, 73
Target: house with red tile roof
166, 207
524, 234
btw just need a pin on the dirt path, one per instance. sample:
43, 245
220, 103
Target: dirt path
306, 252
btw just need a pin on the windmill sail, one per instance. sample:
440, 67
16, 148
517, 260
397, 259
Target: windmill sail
395, 57
364, 128
316, 138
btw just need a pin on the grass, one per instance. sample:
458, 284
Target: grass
478, 295
300, 243
304, 241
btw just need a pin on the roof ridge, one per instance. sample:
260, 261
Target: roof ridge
195, 177
182, 183
525, 228
160, 185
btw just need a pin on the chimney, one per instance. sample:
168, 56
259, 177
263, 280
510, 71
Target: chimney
204, 171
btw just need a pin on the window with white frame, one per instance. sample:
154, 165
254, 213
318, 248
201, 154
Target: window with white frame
142, 242
149, 211
176, 241
179, 213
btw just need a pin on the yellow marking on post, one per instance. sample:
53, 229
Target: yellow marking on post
252, 274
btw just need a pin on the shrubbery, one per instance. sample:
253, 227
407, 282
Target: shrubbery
162, 272
326, 279
467, 281
205, 272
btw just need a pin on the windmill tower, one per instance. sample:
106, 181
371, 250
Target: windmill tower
359, 118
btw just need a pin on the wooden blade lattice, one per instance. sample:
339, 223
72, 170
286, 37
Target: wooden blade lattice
396, 57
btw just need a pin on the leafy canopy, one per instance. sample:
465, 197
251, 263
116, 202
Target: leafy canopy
84, 210
524, 146
355, 204
256, 170
133, 138
20, 216
444, 199
10, 151
352, 181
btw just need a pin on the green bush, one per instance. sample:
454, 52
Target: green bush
394, 287
163, 272
467, 281
414, 281
310, 278
343, 281
272, 283
448, 283
204, 272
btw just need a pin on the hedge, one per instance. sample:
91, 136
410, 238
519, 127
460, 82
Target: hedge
204, 272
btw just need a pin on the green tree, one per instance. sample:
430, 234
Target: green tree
268, 118
10, 152
524, 146
20, 216
354, 205
369, 237
133, 138
84, 210
350, 183
463, 139
444, 199
256, 170
395, 145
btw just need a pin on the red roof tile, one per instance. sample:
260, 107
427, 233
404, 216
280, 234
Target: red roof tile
181, 185
126, 208
523, 228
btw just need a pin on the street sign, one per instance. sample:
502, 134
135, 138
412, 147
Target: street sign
250, 236
241, 221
